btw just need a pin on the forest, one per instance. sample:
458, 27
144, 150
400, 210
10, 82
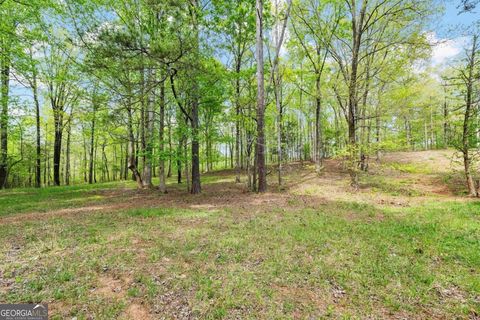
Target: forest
273, 159
101, 91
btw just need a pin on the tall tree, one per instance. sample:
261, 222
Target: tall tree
315, 23
33, 82
8, 27
236, 21
194, 12
60, 81
161, 136
470, 78
279, 33
5, 60
260, 145
373, 28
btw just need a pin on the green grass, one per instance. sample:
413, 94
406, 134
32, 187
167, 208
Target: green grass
341, 260
409, 167
391, 186
455, 182
14, 201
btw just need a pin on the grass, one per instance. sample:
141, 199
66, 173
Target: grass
274, 265
15, 201
394, 187
339, 259
410, 167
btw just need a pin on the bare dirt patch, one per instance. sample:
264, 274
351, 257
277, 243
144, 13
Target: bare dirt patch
136, 311
109, 287
112, 287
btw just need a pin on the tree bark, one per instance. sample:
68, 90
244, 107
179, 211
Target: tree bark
161, 164
46, 167
196, 187
85, 161
469, 79
147, 138
92, 143
446, 139
237, 118
67, 152
57, 144
38, 169
318, 126
357, 25
5, 82
170, 149
260, 145
132, 163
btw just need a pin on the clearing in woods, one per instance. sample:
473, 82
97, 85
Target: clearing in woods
405, 246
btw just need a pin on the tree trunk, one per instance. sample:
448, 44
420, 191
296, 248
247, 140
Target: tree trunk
364, 144
92, 144
196, 187
472, 191
57, 145
5, 82
161, 164
377, 131
147, 137
318, 127
105, 162
46, 169
95, 162
38, 169
468, 175
125, 168
237, 118
179, 164
132, 163
260, 145
84, 155
278, 104
185, 156
169, 172
445, 124
67, 152
115, 161
357, 31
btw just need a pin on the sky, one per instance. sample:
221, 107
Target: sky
453, 18
446, 32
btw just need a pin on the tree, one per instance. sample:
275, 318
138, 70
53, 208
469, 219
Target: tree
235, 20
315, 23
260, 145
5, 60
373, 28
59, 77
194, 118
33, 82
161, 136
469, 77
279, 34
15, 36
8, 26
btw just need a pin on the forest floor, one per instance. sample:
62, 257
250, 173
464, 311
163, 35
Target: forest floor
404, 246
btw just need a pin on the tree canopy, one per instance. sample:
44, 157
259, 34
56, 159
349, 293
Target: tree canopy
102, 90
